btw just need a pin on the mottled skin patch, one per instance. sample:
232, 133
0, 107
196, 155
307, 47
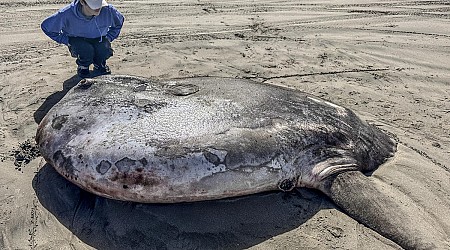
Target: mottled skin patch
214, 159
125, 164
59, 121
149, 106
103, 167
65, 163
182, 89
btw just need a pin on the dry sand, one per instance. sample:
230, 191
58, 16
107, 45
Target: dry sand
387, 60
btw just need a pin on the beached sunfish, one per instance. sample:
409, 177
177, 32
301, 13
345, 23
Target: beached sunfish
184, 140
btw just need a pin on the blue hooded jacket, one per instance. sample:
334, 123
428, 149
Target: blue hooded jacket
70, 21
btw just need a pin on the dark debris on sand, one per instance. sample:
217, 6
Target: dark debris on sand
26, 152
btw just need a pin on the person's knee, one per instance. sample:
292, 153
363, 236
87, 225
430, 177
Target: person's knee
103, 50
79, 48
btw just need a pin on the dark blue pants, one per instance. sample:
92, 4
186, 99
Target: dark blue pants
89, 51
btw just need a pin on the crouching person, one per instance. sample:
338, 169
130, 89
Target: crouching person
87, 27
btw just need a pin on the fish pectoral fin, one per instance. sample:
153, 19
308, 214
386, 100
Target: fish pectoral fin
360, 198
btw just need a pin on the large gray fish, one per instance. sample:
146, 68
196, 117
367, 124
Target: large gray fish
183, 140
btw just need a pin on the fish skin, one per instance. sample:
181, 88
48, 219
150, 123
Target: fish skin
181, 140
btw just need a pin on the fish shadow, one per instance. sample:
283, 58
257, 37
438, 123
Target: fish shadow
234, 223
54, 98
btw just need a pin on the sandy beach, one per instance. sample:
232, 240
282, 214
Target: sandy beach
386, 60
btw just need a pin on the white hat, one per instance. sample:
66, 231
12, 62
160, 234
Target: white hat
96, 4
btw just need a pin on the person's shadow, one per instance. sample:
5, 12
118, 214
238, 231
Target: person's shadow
54, 98
234, 223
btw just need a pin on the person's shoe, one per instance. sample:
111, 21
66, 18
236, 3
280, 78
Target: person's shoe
83, 71
102, 70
